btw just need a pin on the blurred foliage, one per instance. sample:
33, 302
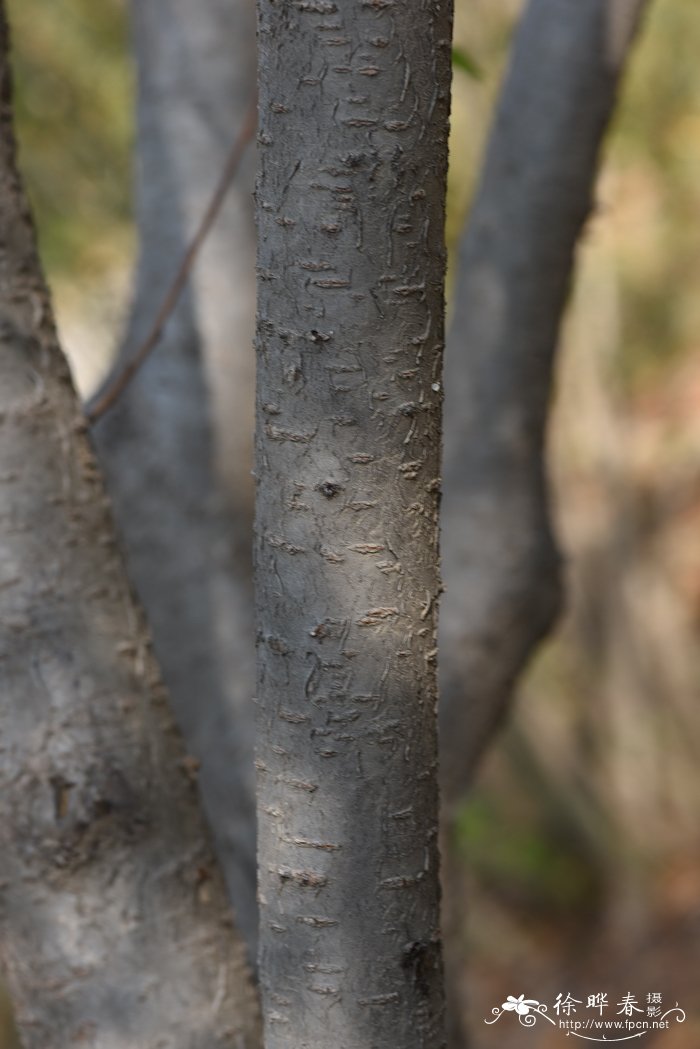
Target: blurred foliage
534, 864
9, 1038
73, 104
465, 62
655, 151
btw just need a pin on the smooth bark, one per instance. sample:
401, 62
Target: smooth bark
115, 930
354, 103
515, 267
182, 497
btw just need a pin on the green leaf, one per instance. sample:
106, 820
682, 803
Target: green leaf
461, 59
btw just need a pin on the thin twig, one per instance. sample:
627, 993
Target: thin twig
122, 378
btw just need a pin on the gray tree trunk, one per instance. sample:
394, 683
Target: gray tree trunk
115, 931
182, 502
515, 266
354, 103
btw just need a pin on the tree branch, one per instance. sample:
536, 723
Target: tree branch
515, 268
176, 446
516, 261
118, 383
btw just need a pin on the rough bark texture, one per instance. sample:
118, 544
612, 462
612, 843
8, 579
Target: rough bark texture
188, 546
354, 103
515, 267
115, 930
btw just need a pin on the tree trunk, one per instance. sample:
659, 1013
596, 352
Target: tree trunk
189, 547
354, 106
114, 926
515, 267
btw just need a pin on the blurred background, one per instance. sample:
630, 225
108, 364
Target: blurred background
581, 839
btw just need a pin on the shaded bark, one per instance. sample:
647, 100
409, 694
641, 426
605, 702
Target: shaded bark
183, 502
350, 333
515, 267
115, 930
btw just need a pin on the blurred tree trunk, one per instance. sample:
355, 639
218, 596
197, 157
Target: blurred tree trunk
115, 930
183, 502
515, 268
350, 334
